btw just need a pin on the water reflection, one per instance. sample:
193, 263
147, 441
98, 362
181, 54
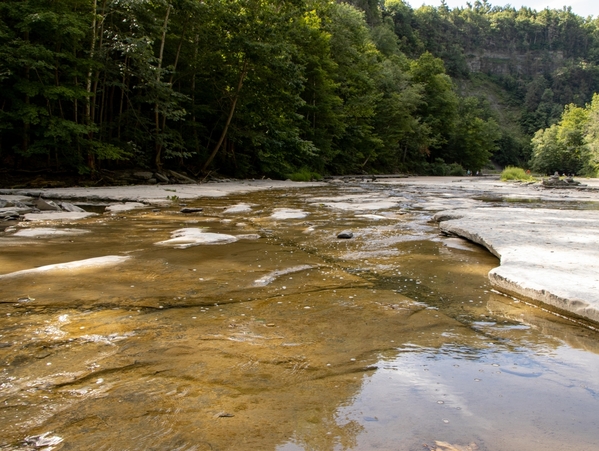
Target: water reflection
295, 340
494, 399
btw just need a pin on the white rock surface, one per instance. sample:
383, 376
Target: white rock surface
15, 197
288, 213
58, 216
239, 208
15, 209
549, 256
49, 232
188, 237
97, 262
373, 217
126, 206
355, 203
154, 194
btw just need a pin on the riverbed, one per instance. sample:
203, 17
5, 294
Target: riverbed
251, 326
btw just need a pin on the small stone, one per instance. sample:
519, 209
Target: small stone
345, 235
26, 299
191, 210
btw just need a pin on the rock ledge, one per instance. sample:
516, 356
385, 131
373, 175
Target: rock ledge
548, 256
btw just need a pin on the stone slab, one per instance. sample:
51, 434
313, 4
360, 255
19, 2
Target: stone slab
288, 213
188, 237
44, 232
548, 256
58, 216
126, 206
157, 194
96, 262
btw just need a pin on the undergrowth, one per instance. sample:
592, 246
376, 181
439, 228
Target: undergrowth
514, 173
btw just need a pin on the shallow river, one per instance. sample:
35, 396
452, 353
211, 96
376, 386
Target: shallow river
283, 337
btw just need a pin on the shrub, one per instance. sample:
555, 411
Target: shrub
439, 167
456, 169
304, 175
514, 173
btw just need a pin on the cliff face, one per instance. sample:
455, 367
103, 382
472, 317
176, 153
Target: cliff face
527, 64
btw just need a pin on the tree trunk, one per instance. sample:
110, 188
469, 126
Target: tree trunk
223, 135
91, 160
158, 160
122, 97
26, 124
173, 76
193, 95
100, 34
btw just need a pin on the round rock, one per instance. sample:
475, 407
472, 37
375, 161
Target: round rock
345, 235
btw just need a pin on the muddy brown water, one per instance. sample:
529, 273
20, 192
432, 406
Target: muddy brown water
296, 340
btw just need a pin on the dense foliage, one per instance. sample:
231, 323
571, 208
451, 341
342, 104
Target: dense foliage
272, 87
572, 145
526, 64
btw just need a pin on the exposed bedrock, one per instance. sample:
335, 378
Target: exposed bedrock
548, 256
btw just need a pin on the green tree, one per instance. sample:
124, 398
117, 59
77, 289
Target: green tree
474, 138
562, 147
591, 154
357, 61
438, 109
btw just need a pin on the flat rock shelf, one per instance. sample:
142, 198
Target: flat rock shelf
548, 256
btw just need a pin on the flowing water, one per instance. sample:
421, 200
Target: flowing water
281, 337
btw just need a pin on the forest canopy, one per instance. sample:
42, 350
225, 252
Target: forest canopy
268, 88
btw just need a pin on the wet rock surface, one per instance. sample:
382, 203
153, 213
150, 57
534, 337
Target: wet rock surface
285, 338
191, 210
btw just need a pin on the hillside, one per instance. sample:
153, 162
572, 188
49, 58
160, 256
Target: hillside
527, 64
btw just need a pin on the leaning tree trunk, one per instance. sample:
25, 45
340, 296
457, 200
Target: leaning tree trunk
158, 160
223, 135
91, 160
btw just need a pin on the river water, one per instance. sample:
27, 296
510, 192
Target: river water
283, 337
